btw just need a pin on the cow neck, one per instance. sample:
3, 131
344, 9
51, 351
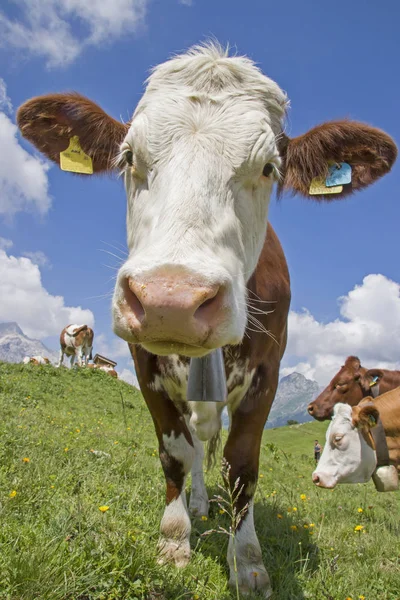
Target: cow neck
379, 438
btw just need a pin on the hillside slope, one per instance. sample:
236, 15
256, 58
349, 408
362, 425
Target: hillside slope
72, 441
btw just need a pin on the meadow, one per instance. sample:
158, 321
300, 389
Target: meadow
82, 495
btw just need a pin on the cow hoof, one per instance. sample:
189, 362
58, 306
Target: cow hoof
252, 579
198, 507
172, 551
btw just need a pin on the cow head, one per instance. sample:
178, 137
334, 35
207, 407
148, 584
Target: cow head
199, 159
350, 385
349, 454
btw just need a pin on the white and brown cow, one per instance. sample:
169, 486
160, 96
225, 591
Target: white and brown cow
350, 452
104, 368
199, 158
76, 341
36, 360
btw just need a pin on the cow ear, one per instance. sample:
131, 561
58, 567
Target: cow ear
365, 416
49, 123
370, 152
371, 378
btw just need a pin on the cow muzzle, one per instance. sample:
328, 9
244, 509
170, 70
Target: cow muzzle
171, 313
324, 480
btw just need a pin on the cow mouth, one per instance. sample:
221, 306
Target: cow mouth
165, 348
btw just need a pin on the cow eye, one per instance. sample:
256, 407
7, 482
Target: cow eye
338, 438
268, 169
129, 157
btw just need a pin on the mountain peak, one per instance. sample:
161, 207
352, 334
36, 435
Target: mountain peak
10, 327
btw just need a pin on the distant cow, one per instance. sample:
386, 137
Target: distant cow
351, 384
108, 370
76, 341
36, 360
350, 453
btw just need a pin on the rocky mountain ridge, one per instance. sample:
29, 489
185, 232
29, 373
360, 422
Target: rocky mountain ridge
15, 345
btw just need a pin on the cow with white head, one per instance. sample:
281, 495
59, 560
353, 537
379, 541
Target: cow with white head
199, 158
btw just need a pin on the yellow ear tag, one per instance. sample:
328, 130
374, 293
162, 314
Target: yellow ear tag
75, 160
318, 186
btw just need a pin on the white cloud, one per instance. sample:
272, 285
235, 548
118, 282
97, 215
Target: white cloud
23, 178
5, 102
26, 301
38, 258
59, 30
5, 244
130, 377
116, 349
368, 327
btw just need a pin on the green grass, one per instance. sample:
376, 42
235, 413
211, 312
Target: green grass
56, 544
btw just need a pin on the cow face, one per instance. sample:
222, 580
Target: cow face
199, 159
350, 385
349, 453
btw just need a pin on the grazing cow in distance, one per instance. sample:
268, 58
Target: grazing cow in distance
36, 360
350, 385
76, 341
349, 455
199, 159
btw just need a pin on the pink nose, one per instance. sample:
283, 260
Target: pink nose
173, 309
315, 478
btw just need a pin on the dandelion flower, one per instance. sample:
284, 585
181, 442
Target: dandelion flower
77, 430
221, 511
26, 459
303, 497
13, 494
294, 508
104, 509
358, 527
261, 475
279, 516
293, 527
361, 597
360, 510
204, 518
66, 449
312, 525
305, 526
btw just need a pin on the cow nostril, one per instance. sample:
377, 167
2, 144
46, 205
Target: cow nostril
133, 302
315, 479
310, 409
210, 305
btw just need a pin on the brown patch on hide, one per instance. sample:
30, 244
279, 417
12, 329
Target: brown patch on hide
370, 152
49, 122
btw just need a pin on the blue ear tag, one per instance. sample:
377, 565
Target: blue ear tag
339, 174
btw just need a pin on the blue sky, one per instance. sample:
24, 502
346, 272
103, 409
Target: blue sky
333, 59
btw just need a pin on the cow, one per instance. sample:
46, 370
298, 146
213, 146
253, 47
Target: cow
104, 368
76, 341
350, 452
199, 160
36, 360
350, 384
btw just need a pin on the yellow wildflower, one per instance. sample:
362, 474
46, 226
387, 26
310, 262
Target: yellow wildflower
196, 597
279, 516
13, 494
361, 597
104, 509
305, 526
358, 527
294, 508
66, 449
360, 510
303, 497
204, 518
26, 459
289, 509
77, 430
115, 442
221, 511
312, 525
293, 527
261, 475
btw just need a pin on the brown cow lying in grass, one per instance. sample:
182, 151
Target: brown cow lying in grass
36, 360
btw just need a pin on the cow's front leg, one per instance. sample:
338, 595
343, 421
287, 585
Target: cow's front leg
176, 455
198, 504
78, 353
241, 453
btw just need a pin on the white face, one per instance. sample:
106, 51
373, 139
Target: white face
198, 197
346, 458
